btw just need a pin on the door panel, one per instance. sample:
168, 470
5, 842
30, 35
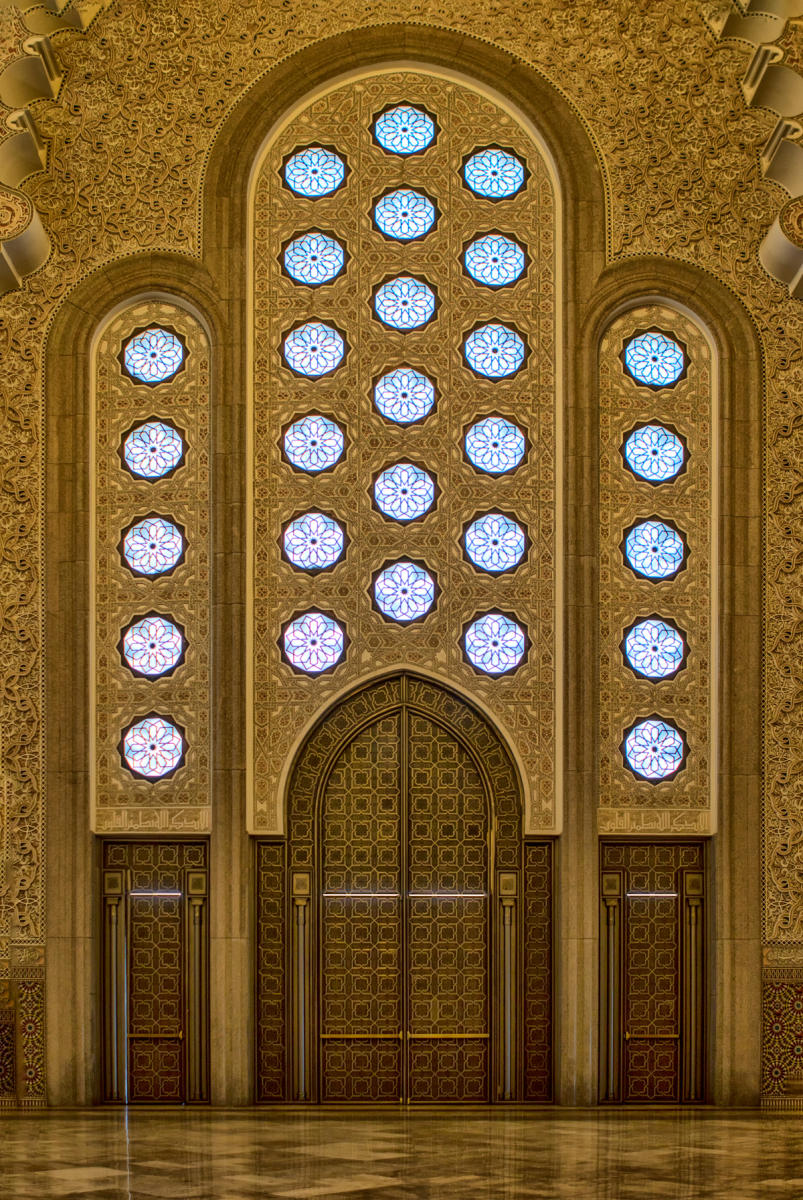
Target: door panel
155, 972
652, 972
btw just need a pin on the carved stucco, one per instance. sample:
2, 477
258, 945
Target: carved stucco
145, 92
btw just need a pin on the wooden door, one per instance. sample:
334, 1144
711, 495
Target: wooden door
155, 972
652, 972
413, 949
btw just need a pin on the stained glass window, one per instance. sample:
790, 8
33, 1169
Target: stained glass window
313, 541
654, 453
313, 642
314, 172
404, 395
654, 648
152, 645
495, 445
493, 173
654, 359
404, 214
654, 549
404, 303
404, 492
153, 356
152, 450
404, 129
495, 643
494, 260
314, 258
404, 591
152, 546
654, 749
494, 351
495, 542
313, 349
313, 443
153, 747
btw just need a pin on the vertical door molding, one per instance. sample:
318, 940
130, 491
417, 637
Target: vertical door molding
197, 991
115, 1007
508, 889
301, 892
694, 990
610, 941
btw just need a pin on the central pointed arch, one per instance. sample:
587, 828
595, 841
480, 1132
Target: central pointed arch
417, 911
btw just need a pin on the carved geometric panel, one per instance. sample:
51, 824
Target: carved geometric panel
284, 701
782, 1057
629, 803
122, 801
537, 1009
271, 926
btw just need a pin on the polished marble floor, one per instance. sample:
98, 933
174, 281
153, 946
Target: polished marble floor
470, 1154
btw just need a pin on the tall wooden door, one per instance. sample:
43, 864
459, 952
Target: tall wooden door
404, 933
155, 972
407, 955
652, 972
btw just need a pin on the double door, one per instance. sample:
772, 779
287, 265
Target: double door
404, 936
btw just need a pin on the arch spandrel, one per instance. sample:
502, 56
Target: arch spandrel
466, 119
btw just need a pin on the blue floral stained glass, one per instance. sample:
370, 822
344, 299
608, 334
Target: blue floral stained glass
404, 303
494, 260
494, 174
313, 642
313, 541
404, 129
314, 258
654, 453
654, 750
654, 359
313, 349
654, 649
153, 450
314, 172
404, 214
153, 747
495, 643
313, 443
152, 546
152, 646
153, 356
494, 351
404, 395
404, 591
495, 445
404, 492
495, 543
654, 550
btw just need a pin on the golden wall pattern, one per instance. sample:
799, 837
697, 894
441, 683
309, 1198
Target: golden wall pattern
122, 801
144, 95
524, 701
681, 805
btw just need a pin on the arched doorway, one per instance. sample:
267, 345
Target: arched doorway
418, 956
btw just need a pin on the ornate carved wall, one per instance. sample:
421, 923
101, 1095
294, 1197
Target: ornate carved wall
144, 95
524, 701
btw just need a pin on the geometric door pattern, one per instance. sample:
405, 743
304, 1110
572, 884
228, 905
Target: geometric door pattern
157, 955
394, 932
661, 959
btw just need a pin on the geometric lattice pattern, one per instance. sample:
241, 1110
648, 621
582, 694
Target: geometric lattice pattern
403, 773
680, 804
652, 967
782, 1058
537, 1010
121, 801
432, 438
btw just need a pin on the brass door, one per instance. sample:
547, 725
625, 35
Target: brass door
408, 955
404, 931
155, 986
652, 972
